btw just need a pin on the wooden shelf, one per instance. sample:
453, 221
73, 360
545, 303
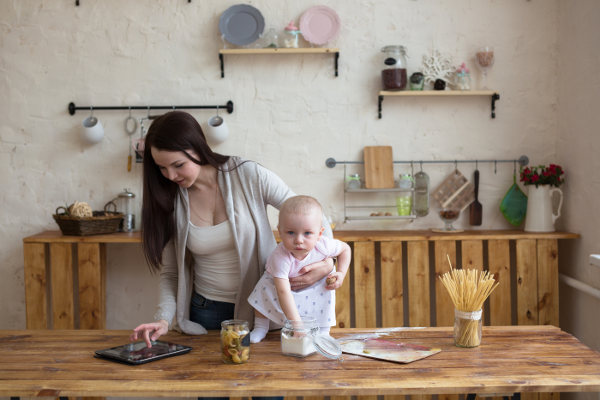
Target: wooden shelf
440, 93
280, 50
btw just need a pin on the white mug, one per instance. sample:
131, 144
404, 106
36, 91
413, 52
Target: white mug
216, 130
92, 130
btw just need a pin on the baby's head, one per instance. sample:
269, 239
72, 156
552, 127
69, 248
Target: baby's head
300, 224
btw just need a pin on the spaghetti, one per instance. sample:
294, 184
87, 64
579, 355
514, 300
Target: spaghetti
468, 289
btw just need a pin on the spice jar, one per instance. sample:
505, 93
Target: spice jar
394, 73
235, 341
301, 339
467, 328
290, 35
353, 182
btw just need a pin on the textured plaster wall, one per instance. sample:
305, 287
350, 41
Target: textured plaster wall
291, 113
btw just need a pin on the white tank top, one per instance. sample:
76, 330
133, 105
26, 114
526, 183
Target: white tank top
216, 261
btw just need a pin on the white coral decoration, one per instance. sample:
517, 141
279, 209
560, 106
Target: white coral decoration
437, 66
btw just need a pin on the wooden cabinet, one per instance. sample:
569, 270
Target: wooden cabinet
392, 280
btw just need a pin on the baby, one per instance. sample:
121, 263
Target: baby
300, 228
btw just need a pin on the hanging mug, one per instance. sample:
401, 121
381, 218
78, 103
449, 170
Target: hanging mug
216, 130
91, 129
540, 216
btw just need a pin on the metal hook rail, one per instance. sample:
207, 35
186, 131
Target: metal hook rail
73, 108
522, 161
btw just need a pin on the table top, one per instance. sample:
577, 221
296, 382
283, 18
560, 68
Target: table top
510, 359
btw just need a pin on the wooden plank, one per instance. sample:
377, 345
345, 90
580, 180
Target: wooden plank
91, 262
342, 300
36, 295
61, 283
472, 254
526, 282
547, 268
392, 294
418, 284
364, 285
444, 308
499, 265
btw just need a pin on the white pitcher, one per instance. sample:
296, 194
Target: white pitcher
540, 217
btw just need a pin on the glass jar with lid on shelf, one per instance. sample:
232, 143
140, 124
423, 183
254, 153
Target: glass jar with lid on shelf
290, 35
394, 74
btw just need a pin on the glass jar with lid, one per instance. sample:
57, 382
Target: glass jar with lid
290, 35
301, 339
393, 75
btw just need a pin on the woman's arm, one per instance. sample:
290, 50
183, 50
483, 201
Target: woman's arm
311, 274
286, 300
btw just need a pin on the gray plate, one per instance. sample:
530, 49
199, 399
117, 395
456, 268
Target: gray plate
241, 24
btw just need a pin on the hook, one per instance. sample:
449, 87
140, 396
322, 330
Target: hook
476, 164
91, 111
456, 166
217, 111
495, 166
148, 115
421, 165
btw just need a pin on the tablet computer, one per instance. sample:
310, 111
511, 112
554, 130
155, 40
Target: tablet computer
139, 353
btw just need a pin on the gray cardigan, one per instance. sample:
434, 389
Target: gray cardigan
246, 190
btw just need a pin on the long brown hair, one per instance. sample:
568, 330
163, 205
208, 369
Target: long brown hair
173, 131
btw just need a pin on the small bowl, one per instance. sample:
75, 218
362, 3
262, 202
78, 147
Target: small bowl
449, 216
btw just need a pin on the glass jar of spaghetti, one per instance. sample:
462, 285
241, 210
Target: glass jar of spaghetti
467, 328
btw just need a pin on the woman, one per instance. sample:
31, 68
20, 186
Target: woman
205, 228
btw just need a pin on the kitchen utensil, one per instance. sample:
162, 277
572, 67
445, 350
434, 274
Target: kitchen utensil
514, 204
241, 24
216, 129
91, 129
319, 25
379, 167
475, 209
130, 128
455, 192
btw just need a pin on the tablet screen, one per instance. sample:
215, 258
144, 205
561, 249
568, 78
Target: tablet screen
139, 353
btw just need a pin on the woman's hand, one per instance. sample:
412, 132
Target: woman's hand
310, 274
150, 332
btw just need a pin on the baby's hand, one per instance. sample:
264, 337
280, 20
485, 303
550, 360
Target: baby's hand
334, 280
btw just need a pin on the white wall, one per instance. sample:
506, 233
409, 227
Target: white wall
578, 146
290, 114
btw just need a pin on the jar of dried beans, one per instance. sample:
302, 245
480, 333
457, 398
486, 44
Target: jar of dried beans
394, 73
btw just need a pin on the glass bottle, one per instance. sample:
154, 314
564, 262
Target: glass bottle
290, 35
421, 194
235, 341
393, 75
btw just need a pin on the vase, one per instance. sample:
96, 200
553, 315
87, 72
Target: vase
540, 215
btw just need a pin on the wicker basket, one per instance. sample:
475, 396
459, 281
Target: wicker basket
101, 222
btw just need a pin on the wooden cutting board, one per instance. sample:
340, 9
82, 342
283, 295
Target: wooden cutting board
379, 167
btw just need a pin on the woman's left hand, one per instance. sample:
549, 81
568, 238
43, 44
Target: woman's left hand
310, 274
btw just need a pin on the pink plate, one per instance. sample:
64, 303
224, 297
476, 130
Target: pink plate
319, 25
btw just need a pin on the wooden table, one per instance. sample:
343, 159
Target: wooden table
511, 359
392, 280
